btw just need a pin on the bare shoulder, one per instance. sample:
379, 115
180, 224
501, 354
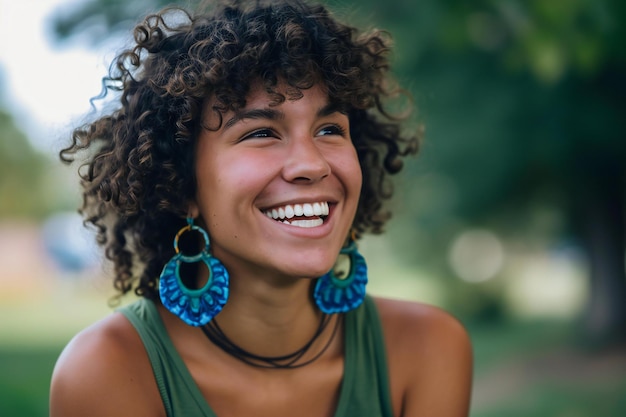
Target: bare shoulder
420, 326
430, 359
104, 371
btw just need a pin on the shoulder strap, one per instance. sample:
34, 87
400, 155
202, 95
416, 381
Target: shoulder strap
179, 392
365, 390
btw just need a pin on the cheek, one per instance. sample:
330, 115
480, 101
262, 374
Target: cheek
231, 177
352, 171
347, 169
244, 174
358, 173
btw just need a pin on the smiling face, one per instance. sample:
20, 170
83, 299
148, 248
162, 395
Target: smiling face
277, 186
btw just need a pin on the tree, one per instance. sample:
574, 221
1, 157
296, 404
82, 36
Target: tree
524, 105
98, 19
23, 171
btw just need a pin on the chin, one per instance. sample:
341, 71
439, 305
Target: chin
311, 272
313, 267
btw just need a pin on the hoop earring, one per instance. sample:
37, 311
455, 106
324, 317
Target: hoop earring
340, 291
195, 307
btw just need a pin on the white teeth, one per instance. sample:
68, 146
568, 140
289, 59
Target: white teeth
290, 211
307, 223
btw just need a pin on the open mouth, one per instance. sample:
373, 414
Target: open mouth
300, 215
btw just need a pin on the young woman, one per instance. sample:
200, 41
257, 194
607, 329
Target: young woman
250, 150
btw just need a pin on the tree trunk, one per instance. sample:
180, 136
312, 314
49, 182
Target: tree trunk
602, 227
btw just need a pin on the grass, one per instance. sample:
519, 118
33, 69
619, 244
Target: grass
564, 399
33, 332
25, 380
545, 370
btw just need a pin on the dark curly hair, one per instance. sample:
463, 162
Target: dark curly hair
139, 176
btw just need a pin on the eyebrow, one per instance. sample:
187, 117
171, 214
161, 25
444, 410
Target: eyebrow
274, 114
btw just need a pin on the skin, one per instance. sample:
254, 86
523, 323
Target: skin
298, 152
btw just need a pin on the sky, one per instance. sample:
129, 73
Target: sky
46, 86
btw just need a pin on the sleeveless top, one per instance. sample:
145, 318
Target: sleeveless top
364, 389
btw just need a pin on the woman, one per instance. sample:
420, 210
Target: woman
255, 137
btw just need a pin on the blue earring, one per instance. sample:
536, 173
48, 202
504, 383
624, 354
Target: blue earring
195, 307
340, 291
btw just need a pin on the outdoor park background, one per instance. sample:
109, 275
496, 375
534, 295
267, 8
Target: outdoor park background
512, 217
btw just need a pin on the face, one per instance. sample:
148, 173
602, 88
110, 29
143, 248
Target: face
278, 186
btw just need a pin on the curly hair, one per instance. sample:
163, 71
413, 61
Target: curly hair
138, 176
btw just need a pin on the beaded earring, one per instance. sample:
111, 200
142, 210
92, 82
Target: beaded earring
343, 288
195, 307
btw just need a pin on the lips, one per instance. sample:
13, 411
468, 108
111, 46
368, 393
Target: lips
301, 215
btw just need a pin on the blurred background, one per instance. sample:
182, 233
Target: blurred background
512, 217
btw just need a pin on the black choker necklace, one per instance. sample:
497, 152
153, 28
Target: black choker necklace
213, 331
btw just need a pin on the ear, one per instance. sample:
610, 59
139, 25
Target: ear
193, 210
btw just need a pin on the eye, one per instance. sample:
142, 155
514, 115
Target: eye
332, 130
260, 134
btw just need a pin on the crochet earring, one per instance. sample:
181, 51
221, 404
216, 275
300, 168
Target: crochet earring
195, 307
343, 288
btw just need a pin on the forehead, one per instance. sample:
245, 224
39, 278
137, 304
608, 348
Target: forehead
216, 112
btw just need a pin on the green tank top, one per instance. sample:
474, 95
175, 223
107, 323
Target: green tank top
364, 389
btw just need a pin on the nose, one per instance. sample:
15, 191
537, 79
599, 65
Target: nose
305, 162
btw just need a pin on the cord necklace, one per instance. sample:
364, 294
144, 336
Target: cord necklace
289, 361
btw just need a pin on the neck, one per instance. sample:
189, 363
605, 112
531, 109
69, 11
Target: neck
289, 361
270, 317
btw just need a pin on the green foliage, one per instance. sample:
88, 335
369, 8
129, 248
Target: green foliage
97, 19
523, 103
23, 173
523, 107
511, 92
